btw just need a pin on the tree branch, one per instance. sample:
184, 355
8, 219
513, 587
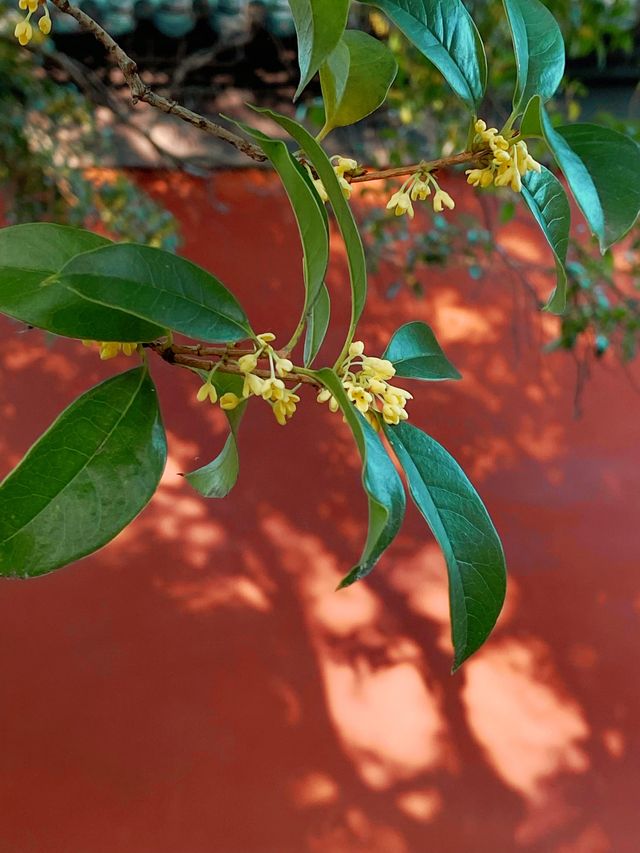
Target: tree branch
141, 92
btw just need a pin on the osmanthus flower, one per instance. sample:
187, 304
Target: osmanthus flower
510, 160
418, 188
24, 30
270, 388
341, 165
110, 349
369, 389
400, 202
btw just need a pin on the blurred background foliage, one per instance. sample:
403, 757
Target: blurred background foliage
50, 139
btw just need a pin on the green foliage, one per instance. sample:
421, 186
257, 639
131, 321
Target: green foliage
319, 25
415, 353
446, 34
380, 480
153, 286
548, 202
310, 214
85, 479
457, 517
100, 462
216, 479
48, 139
539, 51
317, 324
355, 79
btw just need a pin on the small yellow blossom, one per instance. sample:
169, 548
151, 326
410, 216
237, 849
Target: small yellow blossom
230, 401
24, 30
208, 390
400, 203
378, 368
510, 160
110, 349
248, 362
442, 199
365, 380
285, 407
420, 190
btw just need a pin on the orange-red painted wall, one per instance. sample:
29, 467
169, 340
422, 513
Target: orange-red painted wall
198, 687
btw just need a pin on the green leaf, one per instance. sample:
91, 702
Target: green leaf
547, 200
462, 527
317, 325
445, 33
31, 256
309, 211
539, 50
344, 217
416, 354
355, 79
319, 25
158, 287
380, 480
601, 167
216, 479
85, 479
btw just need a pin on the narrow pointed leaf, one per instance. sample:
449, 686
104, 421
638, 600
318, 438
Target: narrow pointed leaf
355, 79
344, 217
309, 211
462, 527
601, 167
546, 199
445, 33
158, 287
216, 479
380, 480
85, 479
317, 325
539, 50
319, 25
31, 257
416, 354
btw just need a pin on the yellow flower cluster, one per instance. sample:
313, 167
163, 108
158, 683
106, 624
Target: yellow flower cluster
110, 349
418, 188
510, 160
271, 388
341, 165
24, 31
366, 381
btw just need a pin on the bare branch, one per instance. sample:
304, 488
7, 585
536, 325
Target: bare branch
141, 92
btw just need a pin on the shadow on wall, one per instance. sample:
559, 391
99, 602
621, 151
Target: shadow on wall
198, 687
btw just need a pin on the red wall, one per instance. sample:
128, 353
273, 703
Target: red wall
198, 687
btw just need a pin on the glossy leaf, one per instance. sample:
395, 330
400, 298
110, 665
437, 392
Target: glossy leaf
216, 479
85, 479
31, 257
445, 33
355, 79
319, 26
416, 354
546, 199
380, 480
601, 167
539, 50
462, 527
317, 325
344, 217
309, 211
158, 287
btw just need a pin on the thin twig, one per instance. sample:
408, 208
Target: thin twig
141, 92
425, 166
